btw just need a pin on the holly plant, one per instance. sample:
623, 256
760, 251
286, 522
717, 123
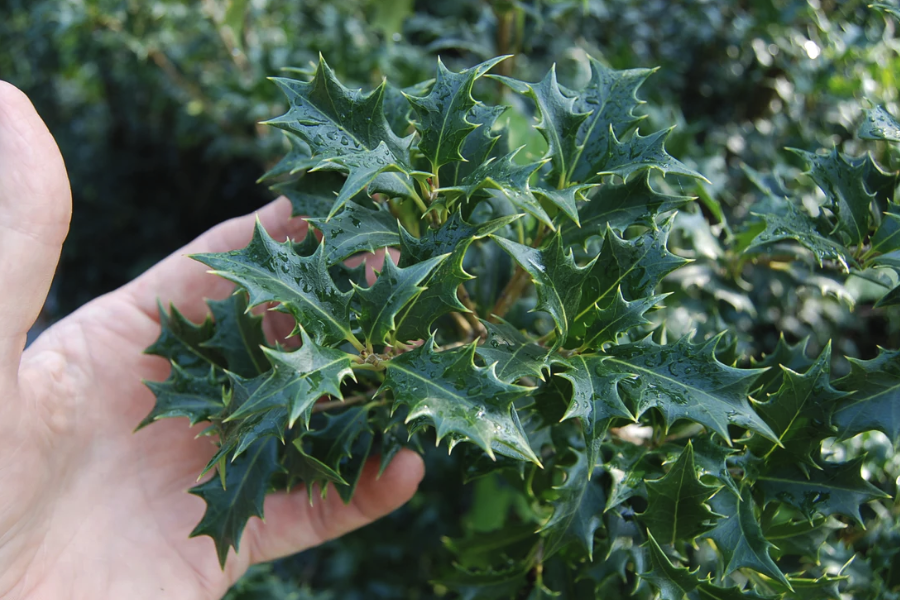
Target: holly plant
516, 317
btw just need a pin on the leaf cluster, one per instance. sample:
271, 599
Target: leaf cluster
638, 463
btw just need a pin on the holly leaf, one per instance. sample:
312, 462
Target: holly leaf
606, 325
609, 98
844, 185
799, 412
879, 124
617, 207
686, 381
577, 507
673, 583
513, 354
559, 120
394, 288
357, 229
297, 159
183, 394
886, 238
238, 336
461, 400
230, 504
181, 342
794, 224
633, 267
274, 272
676, 503
873, 400
364, 174
479, 145
454, 237
557, 279
739, 537
711, 458
629, 468
341, 446
298, 380
441, 115
595, 399
347, 126
509, 178
832, 489
793, 357
892, 298
313, 194
639, 153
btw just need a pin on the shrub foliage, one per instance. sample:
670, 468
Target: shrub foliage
518, 318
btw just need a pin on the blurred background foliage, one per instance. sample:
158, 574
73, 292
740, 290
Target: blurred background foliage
156, 106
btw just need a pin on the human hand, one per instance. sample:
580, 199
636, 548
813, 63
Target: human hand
89, 509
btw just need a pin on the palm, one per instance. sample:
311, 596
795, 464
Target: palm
88, 508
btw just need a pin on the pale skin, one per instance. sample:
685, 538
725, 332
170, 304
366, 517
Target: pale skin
89, 509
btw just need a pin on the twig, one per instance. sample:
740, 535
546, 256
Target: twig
471, 317
332, 404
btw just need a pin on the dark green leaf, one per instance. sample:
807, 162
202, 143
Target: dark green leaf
618, 206
441, 115
873, 402
577, 508
843, 184
238, 336
795, 224
466, 402
685, 381
673, 583
595, 399
799, 412
606, 325
298, 380
273, 272
676, 503
559, 120
879, 125
357, 229
394, 288
453, 237
513, 354
186, 395
833, 489
739, 537
230, 506
556, 278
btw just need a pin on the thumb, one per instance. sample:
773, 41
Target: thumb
35, 208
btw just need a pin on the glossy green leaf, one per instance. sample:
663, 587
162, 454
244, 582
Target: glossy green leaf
795, 224
454, 237
739, 537
799, 412
845, 189
595, 399
685, 381
298, 380
676, 503
513, 354
557, 279
617, 207
230, 505
394, 289
873, 400
833, 489
441, 115
356, 229
577, 508
238, 336
461, 400
879, 124
273, 272
183, 394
